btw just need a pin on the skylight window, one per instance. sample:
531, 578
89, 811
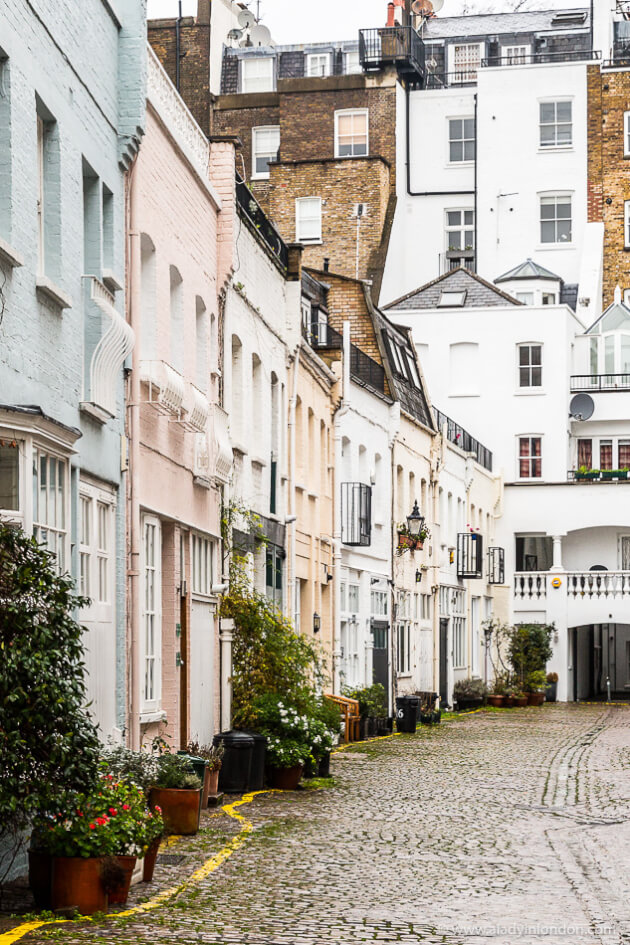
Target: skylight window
569, 18
452, 299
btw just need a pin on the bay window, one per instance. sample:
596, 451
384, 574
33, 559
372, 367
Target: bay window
9, 476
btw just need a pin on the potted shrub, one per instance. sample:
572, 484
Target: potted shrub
584, 473
497, 697
529, 650
552, 687
176, 790
508, 698
536, 685
213, 756
286, 758
469, 693
520, 699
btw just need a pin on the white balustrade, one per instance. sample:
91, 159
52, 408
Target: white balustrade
593, 584
530, 585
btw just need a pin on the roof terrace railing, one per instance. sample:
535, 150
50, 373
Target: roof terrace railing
248, 204
399, 45
462, 438
564, 55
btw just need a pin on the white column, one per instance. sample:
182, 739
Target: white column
557, 553
226, 638
369, 658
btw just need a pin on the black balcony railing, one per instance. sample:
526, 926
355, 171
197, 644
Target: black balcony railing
600, 382
387, 45
364, 370
469, 555
444, 80
462, 438
564, 55
496, 565
356, 513
248, 205
321, 336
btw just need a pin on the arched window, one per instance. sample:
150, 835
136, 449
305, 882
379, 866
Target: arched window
236, 411
148, 330
177, 319
201, 345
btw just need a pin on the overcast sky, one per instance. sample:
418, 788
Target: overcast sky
298, 21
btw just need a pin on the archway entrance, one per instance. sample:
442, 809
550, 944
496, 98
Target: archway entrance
601, 656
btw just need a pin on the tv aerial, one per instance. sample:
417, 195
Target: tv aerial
581, 407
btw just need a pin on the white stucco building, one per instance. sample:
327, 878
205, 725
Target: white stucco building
514, 372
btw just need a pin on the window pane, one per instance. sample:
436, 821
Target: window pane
454, 217
469, 150
536, 377
536, 354
548, 232
585, 453
457, 151
624, 454
563, 111
605, 454
9, 477
547, 111
469, 127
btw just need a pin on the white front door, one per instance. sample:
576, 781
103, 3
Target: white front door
202, 642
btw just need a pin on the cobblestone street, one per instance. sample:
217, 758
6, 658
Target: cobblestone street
506, 827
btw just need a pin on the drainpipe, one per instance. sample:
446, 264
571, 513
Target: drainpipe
292, 503
476, 248
178, 47
135, 541
424, 193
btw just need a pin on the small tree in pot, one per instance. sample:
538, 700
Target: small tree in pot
176, 790
469, 693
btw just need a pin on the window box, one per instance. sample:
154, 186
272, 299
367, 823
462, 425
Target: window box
610, 474
587, 474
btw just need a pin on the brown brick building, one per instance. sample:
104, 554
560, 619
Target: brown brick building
609, 171
318, 135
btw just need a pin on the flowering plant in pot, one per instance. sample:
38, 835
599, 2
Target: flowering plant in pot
290, 738
469, 693
176, 790
286, 758
551, 689
536, 685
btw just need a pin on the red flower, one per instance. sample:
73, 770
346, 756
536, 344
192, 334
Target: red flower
126, 807
92, 826
157, 809
113, 811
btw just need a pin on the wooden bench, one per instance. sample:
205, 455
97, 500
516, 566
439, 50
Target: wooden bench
350, 712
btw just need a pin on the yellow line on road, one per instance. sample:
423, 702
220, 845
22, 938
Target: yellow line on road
14, 935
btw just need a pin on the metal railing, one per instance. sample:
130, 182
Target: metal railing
364, 370
600, 382
444, 80
400, 45
248, 204
321, 336
356, 513
462, 438
568, 55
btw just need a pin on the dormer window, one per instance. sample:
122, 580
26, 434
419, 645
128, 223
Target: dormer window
318, 64
257, 74
449, 299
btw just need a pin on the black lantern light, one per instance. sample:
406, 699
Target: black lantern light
415, 521
317, 623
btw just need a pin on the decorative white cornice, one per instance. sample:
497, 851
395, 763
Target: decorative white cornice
178, 120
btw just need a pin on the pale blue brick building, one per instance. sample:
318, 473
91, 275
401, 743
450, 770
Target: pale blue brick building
72, 99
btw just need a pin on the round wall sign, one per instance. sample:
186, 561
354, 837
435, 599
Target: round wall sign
556, 582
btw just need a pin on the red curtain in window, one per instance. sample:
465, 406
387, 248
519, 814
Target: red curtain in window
624, 454
585, 453
536, 457
523, 452
605, 454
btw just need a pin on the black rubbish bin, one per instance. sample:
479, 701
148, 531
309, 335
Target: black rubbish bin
237, 761
257, 771
407, 708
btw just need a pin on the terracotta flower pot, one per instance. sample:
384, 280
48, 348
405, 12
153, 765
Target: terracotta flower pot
496, 700
76, 884
286, 779
535, 698
180, 809
149, 860
213, 784
120, 892
520, 701
508, 701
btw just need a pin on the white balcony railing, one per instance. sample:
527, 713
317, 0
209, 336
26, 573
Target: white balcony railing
166, 386
532, 585
593, 584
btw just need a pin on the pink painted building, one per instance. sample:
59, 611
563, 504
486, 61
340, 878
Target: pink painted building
179, 455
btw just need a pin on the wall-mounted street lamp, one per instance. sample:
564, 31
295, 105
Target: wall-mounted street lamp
415, 521
317, 623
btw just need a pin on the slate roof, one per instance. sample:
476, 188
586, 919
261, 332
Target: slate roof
479, 293
486, 24
528, 270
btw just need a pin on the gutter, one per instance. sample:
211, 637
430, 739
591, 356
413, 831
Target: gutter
429, 193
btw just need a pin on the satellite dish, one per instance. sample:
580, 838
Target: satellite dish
260, 35
581, 407
422, 7
235, 34
437, 5
246, 19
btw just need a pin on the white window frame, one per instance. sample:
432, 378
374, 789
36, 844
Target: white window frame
527, 298
265, 78
516, 55
46, 528
151, 705
529, 367
626, 134
559, 196
549, 298
462, 228
554, 145
358, 69
96, 558
460, 76
299, 221
352, 113
403, 648
458, 630
271, 155
379, 601
15, 516
311, 58
354, 591
464, 140
531, 458
626, 224
202, 562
